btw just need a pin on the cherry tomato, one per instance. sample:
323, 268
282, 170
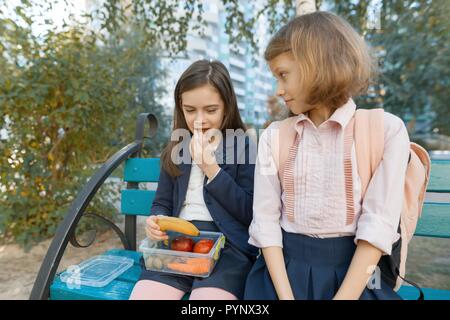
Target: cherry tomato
203, 246
182, 244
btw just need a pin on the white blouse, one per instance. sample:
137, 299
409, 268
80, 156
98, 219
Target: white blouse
194, 207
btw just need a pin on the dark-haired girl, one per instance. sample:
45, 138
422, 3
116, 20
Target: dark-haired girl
206, 178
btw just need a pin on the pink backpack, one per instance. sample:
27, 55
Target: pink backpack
367, 130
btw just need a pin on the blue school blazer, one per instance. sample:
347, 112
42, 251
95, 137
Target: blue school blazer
228, 197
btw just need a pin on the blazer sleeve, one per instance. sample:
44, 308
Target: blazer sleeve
163, 201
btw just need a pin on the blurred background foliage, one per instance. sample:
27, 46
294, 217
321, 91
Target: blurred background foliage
69, 99
412, 46
411, 41
69, 96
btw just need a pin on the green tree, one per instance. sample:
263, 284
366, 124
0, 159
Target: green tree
68, 99
414, 59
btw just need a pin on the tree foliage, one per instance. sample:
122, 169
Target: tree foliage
413, 49
68, 100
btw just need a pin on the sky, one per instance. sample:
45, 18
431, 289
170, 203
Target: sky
60, 11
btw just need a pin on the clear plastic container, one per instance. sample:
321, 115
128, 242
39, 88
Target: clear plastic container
97, 271
159, 257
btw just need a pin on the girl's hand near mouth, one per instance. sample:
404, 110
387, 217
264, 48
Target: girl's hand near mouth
202, 152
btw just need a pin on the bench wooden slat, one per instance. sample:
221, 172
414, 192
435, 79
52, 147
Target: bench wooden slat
142, 170
137, 202
116, 290
435, 221
439, 176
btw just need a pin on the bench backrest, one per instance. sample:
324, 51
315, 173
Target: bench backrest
435, 220
139, 170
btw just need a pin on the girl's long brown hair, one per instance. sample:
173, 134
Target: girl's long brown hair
198, 74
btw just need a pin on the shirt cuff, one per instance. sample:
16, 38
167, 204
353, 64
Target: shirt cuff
265, 236
374, 229
212, 178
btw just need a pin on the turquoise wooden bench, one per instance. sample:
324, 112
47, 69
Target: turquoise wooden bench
435, 222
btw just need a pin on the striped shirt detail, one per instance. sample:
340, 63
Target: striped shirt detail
288, 179
348, 144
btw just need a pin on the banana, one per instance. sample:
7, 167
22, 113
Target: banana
178, 225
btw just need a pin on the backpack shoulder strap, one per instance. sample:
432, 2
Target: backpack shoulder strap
369, 143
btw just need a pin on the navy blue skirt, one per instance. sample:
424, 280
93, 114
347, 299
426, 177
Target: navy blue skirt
229, 273
316, 269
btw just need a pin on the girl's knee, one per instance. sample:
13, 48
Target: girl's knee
210, 293
153, 290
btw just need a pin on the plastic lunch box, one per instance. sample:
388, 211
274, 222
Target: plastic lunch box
97, 271
159, 257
